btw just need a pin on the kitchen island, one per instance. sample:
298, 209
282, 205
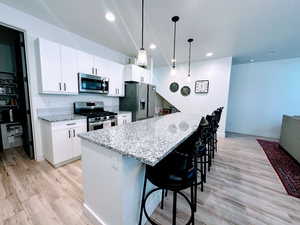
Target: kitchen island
113, 164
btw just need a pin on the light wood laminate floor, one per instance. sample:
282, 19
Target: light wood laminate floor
242, 188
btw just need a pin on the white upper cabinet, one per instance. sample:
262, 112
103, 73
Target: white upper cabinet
85, 63
101, 67
137, 74
60, 66
69, 70
50, 64
116, 79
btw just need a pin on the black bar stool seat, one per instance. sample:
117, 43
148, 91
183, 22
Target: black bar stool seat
174, 173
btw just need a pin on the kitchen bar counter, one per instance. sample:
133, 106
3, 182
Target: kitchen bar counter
148, 141
113, 165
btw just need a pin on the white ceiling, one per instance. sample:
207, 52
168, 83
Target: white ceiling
245, 29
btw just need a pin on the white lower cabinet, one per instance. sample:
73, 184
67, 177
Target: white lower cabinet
124, 118
60, 142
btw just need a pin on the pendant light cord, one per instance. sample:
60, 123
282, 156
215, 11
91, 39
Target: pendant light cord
190, 50
174, 46
142, 24
190, 40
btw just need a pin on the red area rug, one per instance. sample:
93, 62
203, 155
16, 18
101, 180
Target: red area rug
287, 168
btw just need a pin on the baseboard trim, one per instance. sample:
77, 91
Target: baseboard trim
221, 134
229, 133
95, 219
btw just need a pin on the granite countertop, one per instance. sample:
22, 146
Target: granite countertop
148, 140
123, 112
63, 117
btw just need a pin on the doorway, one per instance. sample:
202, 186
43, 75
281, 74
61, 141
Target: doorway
15, 117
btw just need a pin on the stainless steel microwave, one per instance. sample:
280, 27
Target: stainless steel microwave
92, 84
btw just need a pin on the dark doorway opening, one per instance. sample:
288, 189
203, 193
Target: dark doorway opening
15, 117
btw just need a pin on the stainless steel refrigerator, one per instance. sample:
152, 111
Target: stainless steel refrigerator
139, 99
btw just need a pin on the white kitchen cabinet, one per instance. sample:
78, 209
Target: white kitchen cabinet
50, 65
60, 142
85, 63
137, 74
62, 146
76, 141
58, 68
124, 118
69, 70
101, 67
116, 79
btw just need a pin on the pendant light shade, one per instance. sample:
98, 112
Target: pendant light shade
190, 40
142, 57
142, 54
174, 19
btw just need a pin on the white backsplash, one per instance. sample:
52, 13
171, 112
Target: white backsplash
58, 105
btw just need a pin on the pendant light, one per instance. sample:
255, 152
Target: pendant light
173, 70
142, 54
190, 40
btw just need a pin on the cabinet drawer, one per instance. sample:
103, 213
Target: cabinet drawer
68, 124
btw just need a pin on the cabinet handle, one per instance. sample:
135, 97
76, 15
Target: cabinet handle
69, 133
93, 70
70, 124
96, 71
65, 86
74, 133
59, 86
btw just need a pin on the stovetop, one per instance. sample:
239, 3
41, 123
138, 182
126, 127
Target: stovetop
94, 111
98, 114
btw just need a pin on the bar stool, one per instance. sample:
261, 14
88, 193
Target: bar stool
174, 173
216, 120
197, 144
210, 140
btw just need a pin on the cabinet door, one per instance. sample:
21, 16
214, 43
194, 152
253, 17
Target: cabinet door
102, 67
146, 75
120, 120
51, 77
69, 70
62, 145
85, 63
76, 140
116, 82
136, 73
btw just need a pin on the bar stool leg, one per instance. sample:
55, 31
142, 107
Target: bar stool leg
192, 196
195, 194
162, 199
142, 204
174, 207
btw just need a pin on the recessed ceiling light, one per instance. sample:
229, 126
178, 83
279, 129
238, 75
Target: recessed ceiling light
152, 46
110, 17
252, 60
209, 54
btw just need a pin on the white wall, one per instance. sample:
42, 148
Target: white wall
35, 28
216, 71
260, 93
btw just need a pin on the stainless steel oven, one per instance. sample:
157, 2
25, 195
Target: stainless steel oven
97, 125
92, 84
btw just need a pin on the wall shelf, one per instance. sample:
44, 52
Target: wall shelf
8, 73
8, 95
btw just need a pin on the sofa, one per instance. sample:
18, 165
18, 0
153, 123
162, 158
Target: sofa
290, 135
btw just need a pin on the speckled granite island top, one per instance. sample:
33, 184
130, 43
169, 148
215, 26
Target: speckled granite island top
148, 140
